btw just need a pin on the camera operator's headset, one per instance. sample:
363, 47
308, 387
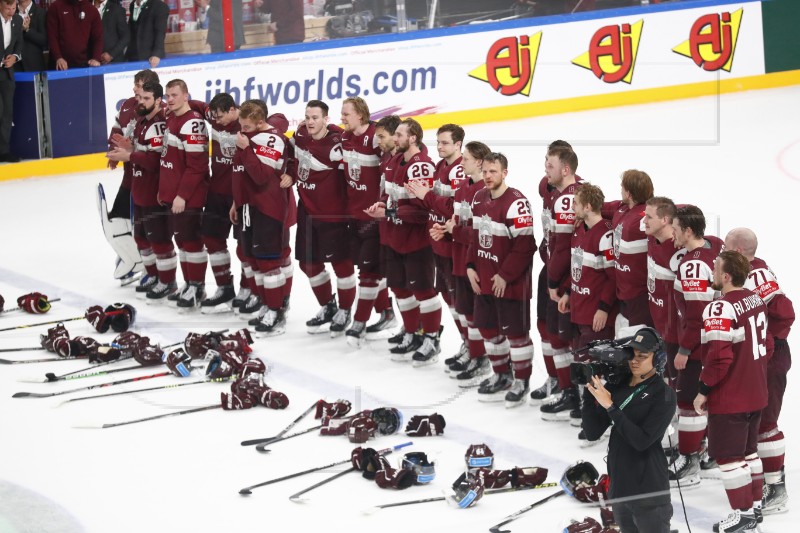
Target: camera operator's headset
659, 353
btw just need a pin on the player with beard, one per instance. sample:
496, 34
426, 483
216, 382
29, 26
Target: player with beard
321, 218
264, 203
124, 123
465, 368
692, 292
151, 228
662, 263
732, 387
560, 165
182, 185
500, 262
449, 175
780, 317
362, 158
409, 258
222, 114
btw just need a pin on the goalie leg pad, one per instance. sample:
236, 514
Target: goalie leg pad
119, 234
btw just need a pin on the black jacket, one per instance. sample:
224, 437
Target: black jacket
14, 47
148, 32
115, 31
34, 42
637, 465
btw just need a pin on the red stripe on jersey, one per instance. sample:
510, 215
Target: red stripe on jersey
717, 324
694, 285
523, 222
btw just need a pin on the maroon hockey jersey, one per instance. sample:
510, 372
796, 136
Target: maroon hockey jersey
318, 173
462, 231
734, 336
407, 231
693, 291
503, 242
562, 224
223, 148
184, 160
662, 263
545, 191
780, 310
124, 123
630, 251
439, 201
148, 143
257, 172
362, 157
592, 273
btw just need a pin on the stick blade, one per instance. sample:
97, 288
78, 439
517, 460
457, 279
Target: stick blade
496, 529
30, 395
245, 492
29, 379
369, 511
294, 498
89, 425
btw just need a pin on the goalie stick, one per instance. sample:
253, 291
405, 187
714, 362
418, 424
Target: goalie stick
376, 508
249, 490
512, 517
283, 431
90, 387
4, 311
165, 415
263, 446
171, 386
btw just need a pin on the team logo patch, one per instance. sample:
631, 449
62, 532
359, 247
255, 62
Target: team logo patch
485, 237
612, 52
577, 264
303, 164
354, 169
129, 129
712, 41
546, 219
227, 144
464, 213
651, 275
617, 239
166, 143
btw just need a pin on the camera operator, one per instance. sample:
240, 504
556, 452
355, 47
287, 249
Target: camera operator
640, 407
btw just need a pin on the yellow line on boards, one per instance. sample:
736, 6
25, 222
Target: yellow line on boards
90, 162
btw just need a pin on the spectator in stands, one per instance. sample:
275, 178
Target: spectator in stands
11, 39
287, 20
34, 37
202, 14
74, 33
216, 38
115, 31
148, 25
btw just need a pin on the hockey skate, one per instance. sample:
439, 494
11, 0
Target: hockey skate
586, 443
322, 321
404, 351
129, 278
340, 323
240, 298
397, 338
458, 363
220, 302
145, 284
517, 394
709, 469
473, 374
160, 292
381, 329
559, 410
738, 521
495, 388
549, 388
775, 500
175, 296
356, 334
273, 324
192, 296
428, 353
685, 470
251, 307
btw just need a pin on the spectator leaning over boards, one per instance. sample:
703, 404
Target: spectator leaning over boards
286, 20
11, 37
115, 30
34, 37
148, 25
75, 34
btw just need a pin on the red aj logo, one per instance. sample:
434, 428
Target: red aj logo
612, 52
510, 64
712, 41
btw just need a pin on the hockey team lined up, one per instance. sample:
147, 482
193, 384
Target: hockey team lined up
374, 205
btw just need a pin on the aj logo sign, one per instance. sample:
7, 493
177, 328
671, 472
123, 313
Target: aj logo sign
510, 64
712, 41
612, 52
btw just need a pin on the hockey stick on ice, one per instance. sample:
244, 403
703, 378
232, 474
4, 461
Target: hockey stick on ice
24, 349
371, 510
249, 490
165, 415
283, 431
171, 386
512, 517
90, 387
108, 313
4, 311
46, 360
263, 446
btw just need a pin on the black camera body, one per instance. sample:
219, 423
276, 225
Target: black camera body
609, 361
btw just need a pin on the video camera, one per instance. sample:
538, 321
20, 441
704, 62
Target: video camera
609, 362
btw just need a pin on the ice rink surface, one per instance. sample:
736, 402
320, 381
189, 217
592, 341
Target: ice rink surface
736, 156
